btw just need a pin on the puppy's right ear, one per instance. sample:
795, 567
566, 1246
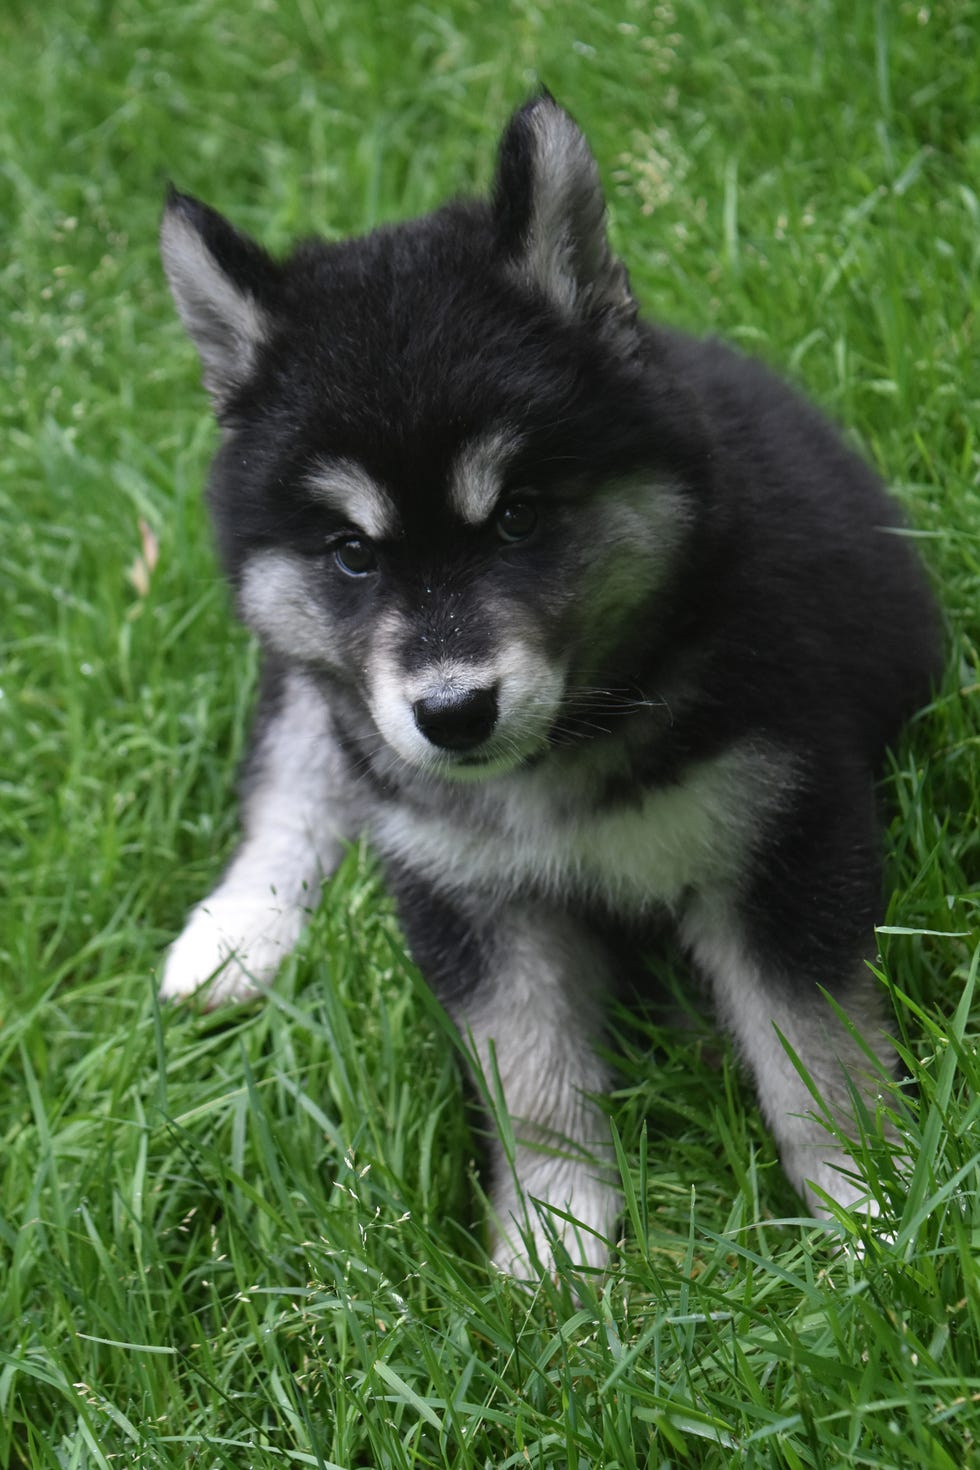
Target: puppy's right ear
224, 285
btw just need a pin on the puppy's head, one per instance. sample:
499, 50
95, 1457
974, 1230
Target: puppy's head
451, 478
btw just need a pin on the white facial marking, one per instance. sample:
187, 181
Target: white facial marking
474, 485
637, 525
277, 602
350, 491
529, 689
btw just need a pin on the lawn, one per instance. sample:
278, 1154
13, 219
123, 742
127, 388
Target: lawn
253, 1239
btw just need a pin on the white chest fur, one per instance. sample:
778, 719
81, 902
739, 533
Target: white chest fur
524, 836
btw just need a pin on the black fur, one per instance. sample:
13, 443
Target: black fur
790, 619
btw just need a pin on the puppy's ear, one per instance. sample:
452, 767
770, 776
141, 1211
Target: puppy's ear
224, 285
550, 213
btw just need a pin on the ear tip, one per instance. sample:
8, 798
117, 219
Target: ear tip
183, 226
176, 203
543, 117
542, 102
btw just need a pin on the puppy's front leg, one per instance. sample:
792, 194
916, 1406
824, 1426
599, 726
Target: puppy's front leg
526, 988
235, 939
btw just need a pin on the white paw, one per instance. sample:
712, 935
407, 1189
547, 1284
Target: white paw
230, 949
836, 1174
524, 1231
839, 1177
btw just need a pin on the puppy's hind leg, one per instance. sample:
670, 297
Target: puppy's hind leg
777, 1012
235, 940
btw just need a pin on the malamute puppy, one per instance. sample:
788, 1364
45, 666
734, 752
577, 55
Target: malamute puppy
586, 623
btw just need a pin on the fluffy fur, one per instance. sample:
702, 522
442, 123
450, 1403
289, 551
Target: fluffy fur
586, 623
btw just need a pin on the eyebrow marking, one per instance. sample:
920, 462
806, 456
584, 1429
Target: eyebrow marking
477, 476
349, 490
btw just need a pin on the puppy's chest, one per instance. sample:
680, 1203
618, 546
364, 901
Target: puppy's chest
529, 837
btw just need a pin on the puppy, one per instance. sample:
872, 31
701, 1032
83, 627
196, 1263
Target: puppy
586, 623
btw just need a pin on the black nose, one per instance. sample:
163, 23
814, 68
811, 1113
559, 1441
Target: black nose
457, 720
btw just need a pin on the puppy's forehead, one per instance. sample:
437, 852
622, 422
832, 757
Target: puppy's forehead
477, 473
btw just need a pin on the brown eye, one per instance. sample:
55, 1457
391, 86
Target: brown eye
355, 555
517, 520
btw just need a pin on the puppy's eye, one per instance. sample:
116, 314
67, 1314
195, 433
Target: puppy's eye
355, 555
517, 520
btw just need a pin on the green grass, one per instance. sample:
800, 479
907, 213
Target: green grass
254, 1239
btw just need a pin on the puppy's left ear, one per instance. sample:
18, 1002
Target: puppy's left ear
550, 214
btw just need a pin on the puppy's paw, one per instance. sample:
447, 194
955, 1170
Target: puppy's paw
819, 1171
527, 1225
230, 950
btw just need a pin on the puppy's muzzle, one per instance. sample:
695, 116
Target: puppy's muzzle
458, 719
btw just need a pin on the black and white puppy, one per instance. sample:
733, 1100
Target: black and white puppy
585, 622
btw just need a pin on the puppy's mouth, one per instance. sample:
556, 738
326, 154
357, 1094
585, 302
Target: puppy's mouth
498, 759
